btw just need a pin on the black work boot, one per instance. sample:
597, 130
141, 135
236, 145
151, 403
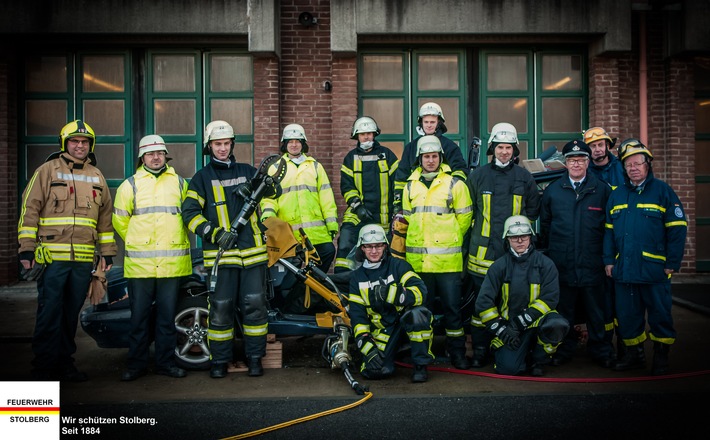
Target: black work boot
419, 374
660, 358
479, 359
459, 360
254, 366
633, 358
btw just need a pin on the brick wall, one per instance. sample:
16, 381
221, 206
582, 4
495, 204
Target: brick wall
8, 171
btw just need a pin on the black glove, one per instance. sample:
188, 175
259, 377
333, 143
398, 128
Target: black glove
27, 256
378, 296
109, 260
381, 292
505, 332
358, 208
374, 360
522, 321
224, 239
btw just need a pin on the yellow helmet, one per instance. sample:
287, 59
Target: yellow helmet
633, 146
597, 133
75, 129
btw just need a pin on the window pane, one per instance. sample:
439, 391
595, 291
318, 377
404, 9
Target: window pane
45, 118
382, 72
237, 111
183, 158
106, 116
174, 73
702, 115
512, 110
561, 115
702, 242
507, 72
450, 108
103, 74
523, 147
438, 72
230, 73
561, 72
396, 147
702, 74
174, 116
111, 160
389, 114
37, 154
46, 74
702, 195
244, 153
547, 144
702, 149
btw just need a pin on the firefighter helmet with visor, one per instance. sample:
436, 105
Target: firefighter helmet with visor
217, 130
371, 234
633, 146
517, 225
77, 128
364, 124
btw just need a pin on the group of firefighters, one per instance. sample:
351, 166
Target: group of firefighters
422, 235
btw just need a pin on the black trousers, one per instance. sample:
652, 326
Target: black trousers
142, 293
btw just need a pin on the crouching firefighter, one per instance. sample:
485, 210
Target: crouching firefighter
516, 303
386, 302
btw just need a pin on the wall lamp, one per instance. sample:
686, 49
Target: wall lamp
307, 19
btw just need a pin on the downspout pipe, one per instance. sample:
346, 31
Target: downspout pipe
643, 81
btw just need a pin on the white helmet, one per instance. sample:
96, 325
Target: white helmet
293, 131
217, 130
517, 225
364, 124
503, 133
371, 234
429, 144
149, 143
430, 108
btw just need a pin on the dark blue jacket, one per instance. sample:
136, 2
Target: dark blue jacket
572, 229
612, 173
645, 231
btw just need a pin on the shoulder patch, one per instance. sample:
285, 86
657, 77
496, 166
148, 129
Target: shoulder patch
678, 212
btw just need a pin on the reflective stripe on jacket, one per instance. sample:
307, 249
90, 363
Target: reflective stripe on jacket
147, 214
438, 216
307, 201
67, 207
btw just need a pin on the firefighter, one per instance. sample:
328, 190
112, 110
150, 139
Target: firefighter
308, 200
604, 164
572, 231
644, 243
213, 202
437, 208
608, 168
66, 216
499, 189
430, 121
147, 215
367, 184
517, 303
386, 301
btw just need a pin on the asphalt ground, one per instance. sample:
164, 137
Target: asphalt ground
576, 400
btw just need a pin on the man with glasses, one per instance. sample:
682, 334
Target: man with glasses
517, 303
644, 243
386, 301
572, 232
65, 219
147, 215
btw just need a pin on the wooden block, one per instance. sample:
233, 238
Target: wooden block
272, 359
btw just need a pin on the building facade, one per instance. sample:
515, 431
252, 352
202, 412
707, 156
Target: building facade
129, 68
